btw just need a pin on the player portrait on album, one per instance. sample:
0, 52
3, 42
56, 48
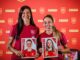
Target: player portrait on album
28, 47
50, 48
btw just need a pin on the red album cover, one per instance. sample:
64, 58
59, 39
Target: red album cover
28, 47
50, 48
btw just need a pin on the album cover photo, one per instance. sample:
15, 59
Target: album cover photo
28, 47
50, 48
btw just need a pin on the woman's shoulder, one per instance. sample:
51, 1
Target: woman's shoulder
62, 34
42, 34
34, 27
14, 26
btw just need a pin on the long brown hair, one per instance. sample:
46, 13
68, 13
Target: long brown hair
47, 45
20, 20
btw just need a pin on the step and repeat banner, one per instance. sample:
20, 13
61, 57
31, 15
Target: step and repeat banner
66, 14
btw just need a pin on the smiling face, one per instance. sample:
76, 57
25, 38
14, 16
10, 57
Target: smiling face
49, 43
48, 23
26, 16
29, 44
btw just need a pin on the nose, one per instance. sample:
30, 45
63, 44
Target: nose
47, 25
49, 44
26, 14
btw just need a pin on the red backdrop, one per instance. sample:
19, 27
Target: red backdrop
65, 13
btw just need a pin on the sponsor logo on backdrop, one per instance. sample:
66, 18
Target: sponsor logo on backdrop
74, 41
2, 21
63, 10
10, 10
42, 10
40, 20
10, 21
73, 30
21, 0
33, 10
9, 52
2, 42
73, 9
63, 20
63, 30
73, 20
52, 10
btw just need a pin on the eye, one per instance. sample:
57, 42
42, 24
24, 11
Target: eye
28, 12
23, 13
45, 22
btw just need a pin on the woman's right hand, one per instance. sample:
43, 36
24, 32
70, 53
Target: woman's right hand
37, 55
40, 50
10, 47
46, 53
18, 53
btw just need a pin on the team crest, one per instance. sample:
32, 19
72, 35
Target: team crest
32, 32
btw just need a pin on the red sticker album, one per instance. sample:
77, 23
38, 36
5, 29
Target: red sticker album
50, 48
28, 47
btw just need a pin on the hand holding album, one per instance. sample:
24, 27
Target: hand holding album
46, 53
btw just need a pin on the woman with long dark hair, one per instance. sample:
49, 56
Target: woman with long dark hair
49, 45
51, 31
25, 28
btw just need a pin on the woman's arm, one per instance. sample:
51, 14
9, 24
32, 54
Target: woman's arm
11, 40
63, 42
66, 49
